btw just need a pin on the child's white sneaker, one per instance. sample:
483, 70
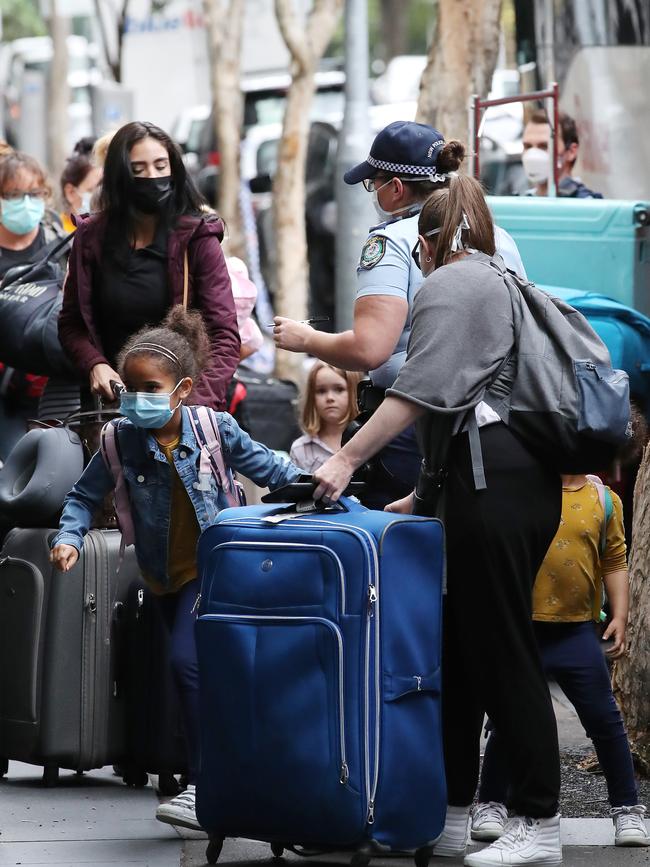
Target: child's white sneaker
629, 826
488, 821
181, 810
525, 842
453, 840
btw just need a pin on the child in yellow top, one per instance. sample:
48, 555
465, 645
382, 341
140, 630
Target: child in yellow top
566, 610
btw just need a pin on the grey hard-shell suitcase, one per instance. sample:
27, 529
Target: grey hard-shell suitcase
60, 699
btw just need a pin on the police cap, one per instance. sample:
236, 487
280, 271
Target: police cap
402, 148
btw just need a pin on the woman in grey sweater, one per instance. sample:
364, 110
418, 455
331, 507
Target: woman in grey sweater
498, 530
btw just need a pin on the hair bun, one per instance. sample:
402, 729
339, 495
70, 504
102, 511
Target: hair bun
84, 146
451, 156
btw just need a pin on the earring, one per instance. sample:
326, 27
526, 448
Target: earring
428, 259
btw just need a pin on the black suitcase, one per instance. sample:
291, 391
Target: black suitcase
60, 701
155, 742
269, 412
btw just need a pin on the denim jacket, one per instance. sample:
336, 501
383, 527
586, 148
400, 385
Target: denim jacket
148, 477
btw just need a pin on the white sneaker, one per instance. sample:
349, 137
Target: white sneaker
453, 840
524, 843
180, 810
488, 820
629, 826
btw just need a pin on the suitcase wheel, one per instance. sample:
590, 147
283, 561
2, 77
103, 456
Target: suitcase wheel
50, 776
168, 784
4, 766
135, 777
277, 849
423, 855
361, 857
214, 850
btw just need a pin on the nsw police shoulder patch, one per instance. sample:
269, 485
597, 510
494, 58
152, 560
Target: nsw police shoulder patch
373, 252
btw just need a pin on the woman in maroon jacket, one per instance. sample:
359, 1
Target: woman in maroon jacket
127, 264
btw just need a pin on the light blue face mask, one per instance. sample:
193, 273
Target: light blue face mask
21, 216
150, 411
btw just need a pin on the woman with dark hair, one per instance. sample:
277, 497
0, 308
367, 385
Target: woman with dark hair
152, 245
498, 528
79, 180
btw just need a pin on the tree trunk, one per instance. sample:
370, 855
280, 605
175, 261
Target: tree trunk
225, 29
462, 57
58, 92
306, 46
631, 675
394, 27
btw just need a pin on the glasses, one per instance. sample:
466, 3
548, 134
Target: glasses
415, 252
17, 195
372, 184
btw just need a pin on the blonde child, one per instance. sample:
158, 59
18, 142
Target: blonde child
330, 403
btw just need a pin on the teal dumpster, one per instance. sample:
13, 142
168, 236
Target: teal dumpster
596, 245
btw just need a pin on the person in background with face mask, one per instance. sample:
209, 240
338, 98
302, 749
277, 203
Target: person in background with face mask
26, 223
27, 227
407, 162
79, 180
158, 447
536, 157
497, 535
132, 261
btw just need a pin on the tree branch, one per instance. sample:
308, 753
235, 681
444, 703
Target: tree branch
320, 25
292, 34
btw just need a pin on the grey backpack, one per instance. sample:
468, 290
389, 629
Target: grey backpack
558, 390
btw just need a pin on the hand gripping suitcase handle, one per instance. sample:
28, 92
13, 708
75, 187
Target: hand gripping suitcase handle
301, 492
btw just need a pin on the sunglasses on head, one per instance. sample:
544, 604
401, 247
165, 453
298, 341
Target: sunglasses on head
415, 252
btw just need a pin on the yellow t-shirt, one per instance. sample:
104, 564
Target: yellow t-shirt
184, 530
568, 587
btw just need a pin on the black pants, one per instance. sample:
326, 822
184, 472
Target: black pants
496, 541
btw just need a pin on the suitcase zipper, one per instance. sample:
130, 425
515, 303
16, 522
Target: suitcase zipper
309, 522
344, 774
291, 546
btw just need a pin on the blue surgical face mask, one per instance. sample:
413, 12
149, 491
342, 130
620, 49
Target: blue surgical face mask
21, 216
150, 411
381, 212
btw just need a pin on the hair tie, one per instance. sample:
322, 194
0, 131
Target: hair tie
457, 241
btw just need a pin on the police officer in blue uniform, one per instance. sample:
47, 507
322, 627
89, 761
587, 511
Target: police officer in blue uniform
407, 162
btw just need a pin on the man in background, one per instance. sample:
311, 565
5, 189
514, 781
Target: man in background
535, 159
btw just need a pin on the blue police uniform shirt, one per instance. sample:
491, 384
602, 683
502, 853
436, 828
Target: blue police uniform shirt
386, 267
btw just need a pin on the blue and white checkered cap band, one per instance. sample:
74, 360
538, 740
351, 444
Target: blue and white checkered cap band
423, 171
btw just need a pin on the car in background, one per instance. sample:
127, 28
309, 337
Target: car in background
187, 130
34, 54
265, 97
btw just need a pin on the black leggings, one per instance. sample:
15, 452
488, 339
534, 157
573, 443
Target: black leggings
496, 541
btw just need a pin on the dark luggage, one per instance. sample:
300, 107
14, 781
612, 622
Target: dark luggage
155, 742
319, 658
30, 301
60, 701
269, 412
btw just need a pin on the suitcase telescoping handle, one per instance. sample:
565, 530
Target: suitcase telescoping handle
300, 494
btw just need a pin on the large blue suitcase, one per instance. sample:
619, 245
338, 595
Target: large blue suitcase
319, 657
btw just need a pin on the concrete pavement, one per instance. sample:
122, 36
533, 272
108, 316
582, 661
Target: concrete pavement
95, 820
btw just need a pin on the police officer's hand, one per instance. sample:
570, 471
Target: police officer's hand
291, 335
64, 557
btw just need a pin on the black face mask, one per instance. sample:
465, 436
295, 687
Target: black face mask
150, 195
